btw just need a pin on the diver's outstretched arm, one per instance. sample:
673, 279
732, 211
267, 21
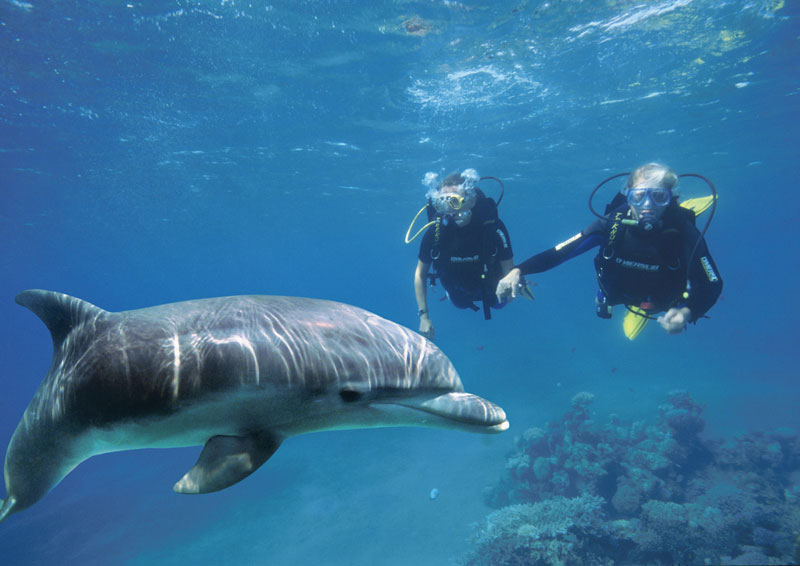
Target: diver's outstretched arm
421, 292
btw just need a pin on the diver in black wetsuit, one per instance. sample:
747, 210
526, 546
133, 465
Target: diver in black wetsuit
467, 244
651, 256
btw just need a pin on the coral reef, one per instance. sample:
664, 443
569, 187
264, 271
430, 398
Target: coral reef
576, 492
555, 531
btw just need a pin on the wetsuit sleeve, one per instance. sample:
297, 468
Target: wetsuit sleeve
581, 242
704, 277
425, 246
504, 241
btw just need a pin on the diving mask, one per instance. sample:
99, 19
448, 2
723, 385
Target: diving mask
453, 203
658, 197
648, 205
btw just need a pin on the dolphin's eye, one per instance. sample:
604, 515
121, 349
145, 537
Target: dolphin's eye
349, 396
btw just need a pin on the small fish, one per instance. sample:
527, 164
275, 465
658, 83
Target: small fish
434, 494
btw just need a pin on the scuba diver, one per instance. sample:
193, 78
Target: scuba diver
465, 241
652, 258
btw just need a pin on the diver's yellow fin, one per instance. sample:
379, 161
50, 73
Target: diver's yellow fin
634, 322
698, 205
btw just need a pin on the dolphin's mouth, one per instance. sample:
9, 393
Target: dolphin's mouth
461, 411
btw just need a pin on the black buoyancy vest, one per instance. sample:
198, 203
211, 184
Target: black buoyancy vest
485, 214
634, 267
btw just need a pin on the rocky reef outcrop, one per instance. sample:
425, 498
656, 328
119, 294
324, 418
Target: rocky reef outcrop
579, 492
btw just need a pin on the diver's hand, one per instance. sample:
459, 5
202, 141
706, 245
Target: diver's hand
675, 320
510, 285
426, 327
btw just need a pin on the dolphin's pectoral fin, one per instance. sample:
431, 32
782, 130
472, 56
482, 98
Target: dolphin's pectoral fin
6, 507
226, 460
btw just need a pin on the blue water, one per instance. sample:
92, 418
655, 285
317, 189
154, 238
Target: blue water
152, 152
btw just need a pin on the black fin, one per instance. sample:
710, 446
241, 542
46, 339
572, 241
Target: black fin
58, 311
226, 460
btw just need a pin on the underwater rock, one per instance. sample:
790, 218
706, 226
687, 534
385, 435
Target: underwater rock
557, 531
668, 494
682, 533
682, 415
627, 499
415, 25
582, 400
535, 440
748, 558
774, 542
542, 468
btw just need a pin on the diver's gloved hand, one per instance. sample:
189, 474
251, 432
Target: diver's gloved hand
510, 286
426, 327
675, 320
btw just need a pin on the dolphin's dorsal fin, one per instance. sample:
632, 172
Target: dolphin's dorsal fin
59, 312
226, 460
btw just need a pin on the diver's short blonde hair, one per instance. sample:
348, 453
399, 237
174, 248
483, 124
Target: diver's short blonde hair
652, 176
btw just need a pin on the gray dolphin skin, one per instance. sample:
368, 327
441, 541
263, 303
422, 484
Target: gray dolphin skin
236, 374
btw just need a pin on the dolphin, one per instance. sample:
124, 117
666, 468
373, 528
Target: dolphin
236, 374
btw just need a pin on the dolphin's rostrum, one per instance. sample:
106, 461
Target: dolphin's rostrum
237, 374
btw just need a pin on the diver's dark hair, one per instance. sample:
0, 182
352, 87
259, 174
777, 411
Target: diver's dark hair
453, 179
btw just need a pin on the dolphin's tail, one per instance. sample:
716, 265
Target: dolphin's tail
6, 506
59, 312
